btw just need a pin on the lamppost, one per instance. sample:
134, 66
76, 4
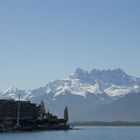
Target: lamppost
18, 111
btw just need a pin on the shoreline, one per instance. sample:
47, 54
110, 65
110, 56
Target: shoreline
32, 129
104, 123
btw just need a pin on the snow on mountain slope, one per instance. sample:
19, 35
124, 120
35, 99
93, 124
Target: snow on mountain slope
72, 85
13, 93
120, 90
115, 83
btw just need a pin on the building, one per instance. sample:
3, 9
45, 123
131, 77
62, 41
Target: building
9, 111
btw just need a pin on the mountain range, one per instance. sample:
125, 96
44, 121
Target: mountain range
105, 95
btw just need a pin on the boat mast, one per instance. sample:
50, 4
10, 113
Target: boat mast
18, 111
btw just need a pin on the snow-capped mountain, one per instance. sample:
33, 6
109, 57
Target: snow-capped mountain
114, 83
13, 93
83, 89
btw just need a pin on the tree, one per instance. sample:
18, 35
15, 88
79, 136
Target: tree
42, 107
66, 115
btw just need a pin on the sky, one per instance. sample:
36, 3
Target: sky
45, 40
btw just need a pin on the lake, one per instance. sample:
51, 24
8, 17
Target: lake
85, 133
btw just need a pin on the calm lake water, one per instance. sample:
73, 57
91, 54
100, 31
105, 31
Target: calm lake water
86, 133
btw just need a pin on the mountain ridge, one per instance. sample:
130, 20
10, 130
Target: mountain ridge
83, 91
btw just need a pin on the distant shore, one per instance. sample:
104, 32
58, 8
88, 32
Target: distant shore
105, 123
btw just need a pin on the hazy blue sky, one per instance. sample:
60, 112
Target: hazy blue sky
44, 40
